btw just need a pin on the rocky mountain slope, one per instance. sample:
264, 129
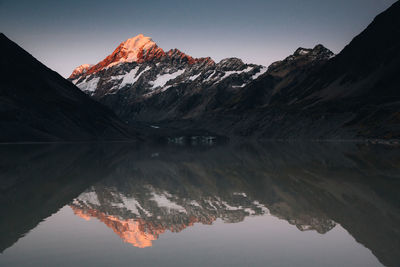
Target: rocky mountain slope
37, 104
354, 95
311, 94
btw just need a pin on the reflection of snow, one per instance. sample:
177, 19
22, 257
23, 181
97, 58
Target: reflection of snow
229, 207
163, 201
240, 194
250, 211
132, 205
90, 198
194, 203
261, 206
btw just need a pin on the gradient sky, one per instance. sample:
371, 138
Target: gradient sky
65, 34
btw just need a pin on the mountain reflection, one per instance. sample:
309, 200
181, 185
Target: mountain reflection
141, 193
140, 216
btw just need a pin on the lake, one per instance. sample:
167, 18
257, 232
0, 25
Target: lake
242, 204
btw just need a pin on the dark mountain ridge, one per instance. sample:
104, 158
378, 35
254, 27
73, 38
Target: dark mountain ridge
37, 104
354, 95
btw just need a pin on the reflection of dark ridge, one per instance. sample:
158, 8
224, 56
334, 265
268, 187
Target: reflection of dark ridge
311, 185
37, 180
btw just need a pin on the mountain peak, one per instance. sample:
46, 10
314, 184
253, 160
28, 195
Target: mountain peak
139, 49
78, 71
135, 44
322, 51
301, 51
319, 51
136, 49
302, 56
177, 55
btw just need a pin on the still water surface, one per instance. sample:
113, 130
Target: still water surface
273, 204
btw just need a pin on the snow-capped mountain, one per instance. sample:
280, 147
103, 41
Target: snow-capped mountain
140, 81
140, 66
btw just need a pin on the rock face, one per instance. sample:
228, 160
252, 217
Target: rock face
311, 94
37, 104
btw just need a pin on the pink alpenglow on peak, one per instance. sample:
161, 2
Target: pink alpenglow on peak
78, 71
136, 49
140, 49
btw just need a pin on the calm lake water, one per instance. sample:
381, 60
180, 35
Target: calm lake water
271, 204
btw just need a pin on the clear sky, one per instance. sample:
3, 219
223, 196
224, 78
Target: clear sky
65, 34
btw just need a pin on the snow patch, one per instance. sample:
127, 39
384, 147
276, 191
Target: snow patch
192, 78
229, 207
89, 86
262, 207
210, 77
239, 86
211, 204
229, 73
133, 205
89, 198
303, 52
162, 79
195, 203
258, 74
130, 78
250, 211
163, 201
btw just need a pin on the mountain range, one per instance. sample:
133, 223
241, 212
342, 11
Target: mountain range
311, 94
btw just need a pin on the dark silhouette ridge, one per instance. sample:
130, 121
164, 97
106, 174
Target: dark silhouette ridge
37, 104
